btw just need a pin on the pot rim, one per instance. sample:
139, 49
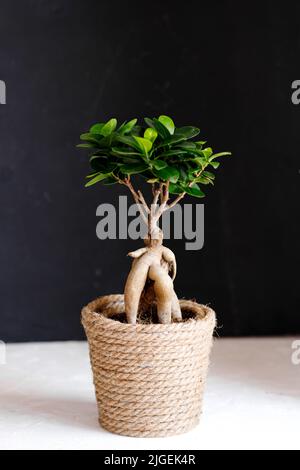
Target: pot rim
102, 310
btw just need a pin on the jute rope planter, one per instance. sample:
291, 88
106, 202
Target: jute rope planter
149, 378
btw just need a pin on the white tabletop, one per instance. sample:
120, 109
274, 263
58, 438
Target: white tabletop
252, 400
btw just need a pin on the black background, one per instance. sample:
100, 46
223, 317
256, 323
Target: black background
224, 66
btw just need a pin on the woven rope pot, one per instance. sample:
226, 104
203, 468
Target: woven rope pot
149, 378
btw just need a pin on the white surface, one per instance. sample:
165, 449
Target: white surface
252, 400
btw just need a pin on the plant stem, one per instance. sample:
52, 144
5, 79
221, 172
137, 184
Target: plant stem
152, 215
138, 198
181, 196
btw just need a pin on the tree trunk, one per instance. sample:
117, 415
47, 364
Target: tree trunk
149, 290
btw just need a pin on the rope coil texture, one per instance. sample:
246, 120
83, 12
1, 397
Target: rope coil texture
149, 378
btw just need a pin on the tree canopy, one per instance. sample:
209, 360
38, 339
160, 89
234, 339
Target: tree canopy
158, 151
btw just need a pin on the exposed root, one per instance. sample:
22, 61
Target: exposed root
149, 287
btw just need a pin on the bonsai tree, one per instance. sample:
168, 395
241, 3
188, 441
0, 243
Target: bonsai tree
174, 165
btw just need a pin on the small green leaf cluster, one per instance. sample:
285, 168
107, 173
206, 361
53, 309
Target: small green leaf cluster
158, 151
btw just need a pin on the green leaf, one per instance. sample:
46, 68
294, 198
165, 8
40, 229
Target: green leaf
200, 143
201, 179
133, 168
187, 145
128, 140
109, 127
191, 173
168, 173
183, 174
161, 129
145, 145
172, 153
173, 139
150, 134
159, 164
94, 138
215, 165
201, 161
127, 127
97, 179
92, 175
194, 190
209, 175
175, 189
96, 128
149, 122
85, 146
105, 142
129, 160
168, 123
221, 154
207, 152
188, 131
109, 180
123, 152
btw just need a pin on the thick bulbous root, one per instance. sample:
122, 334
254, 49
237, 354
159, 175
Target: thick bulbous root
152, 263
163, 289
176, 310
149, 276
133, 290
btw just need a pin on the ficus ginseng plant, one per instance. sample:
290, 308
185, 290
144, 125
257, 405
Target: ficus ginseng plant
173, 164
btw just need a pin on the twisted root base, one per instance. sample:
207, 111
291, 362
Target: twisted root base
149, 378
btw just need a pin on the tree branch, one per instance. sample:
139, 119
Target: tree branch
169, 206
144, 209
156, 194
161, 186
162, 191
164, 200
142, 199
